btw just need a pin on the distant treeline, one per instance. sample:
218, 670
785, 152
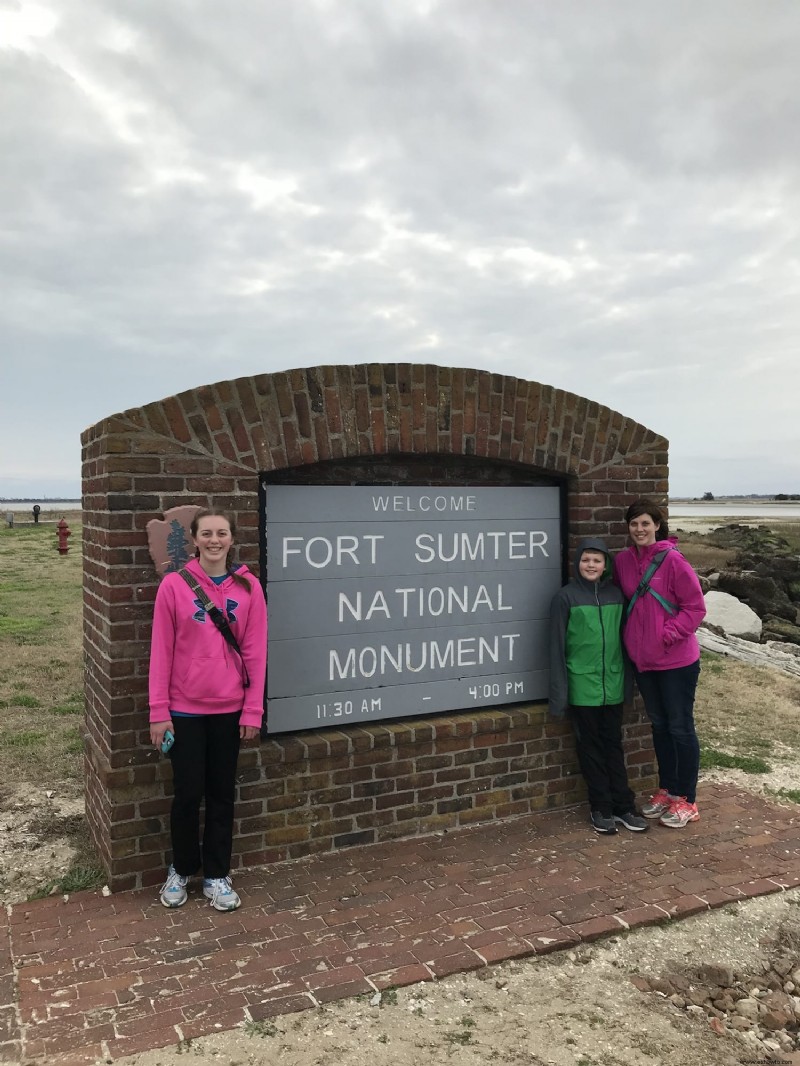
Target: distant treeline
707, 497
742, 496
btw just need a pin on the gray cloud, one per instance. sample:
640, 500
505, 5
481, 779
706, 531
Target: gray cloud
602, 196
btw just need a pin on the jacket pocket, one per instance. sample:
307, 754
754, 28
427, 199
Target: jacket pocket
615, 684
653, 647
206, 678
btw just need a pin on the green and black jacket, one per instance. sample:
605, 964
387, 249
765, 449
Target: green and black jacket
587, 663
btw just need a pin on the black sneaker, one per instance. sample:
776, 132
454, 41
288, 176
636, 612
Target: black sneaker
633, 821
602, 823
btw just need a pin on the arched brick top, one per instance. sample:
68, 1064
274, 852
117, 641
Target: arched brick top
207, 446
271, 421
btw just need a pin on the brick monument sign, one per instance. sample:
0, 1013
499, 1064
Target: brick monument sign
411, 523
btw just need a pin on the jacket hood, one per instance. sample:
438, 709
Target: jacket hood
196, 570
591, 544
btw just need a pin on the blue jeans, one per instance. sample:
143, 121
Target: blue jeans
669, 701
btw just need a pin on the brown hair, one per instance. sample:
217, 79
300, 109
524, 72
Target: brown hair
208, 512
649, 507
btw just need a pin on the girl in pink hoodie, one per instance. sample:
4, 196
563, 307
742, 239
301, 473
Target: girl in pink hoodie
208, 697
662, 617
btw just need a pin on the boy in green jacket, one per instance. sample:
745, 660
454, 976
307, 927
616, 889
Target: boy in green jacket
588, 679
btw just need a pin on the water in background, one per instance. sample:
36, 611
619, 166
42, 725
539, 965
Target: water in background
17, 506
736, 509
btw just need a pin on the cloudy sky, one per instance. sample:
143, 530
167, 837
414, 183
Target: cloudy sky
603, 196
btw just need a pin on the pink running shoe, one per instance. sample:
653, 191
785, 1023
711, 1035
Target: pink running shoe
680, 813
658, 804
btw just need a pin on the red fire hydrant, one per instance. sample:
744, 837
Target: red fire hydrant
63, 532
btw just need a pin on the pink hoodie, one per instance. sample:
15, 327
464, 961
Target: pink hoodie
653, 639
192, 667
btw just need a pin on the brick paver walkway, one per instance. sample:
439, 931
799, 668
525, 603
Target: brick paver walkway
108, 976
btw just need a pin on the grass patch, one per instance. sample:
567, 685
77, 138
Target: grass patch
41, 688
703, 553
747, 712
792, 794
711, 662
76, 879
84, 872
73, 741
41, 603
48, 825
790, 531
27, 739
464, 1037
751, 764
26, 701
23, 630
261, 1029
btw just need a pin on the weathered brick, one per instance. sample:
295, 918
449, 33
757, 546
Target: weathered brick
423, 425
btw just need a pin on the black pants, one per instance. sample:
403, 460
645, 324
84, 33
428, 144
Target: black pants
598, 743
204, 758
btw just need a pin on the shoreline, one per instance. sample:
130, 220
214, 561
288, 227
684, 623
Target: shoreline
731, 501
704, 524
698, 522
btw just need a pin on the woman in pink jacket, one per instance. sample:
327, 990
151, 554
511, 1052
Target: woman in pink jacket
665, 607
207, 697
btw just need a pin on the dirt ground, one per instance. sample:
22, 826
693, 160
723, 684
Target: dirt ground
36, 836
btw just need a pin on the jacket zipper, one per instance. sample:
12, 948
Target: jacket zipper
603, 644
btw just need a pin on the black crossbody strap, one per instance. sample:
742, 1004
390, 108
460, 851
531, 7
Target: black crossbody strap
217, 617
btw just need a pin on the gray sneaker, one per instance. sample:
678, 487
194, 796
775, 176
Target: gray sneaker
173, 891
220, 891
602, 823
633, 821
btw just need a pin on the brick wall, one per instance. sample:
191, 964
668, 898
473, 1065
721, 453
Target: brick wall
386, 423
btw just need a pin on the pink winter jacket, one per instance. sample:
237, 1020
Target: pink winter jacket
653, 639
192, 667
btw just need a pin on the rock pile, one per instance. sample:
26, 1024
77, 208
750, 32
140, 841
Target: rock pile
760, 1009
765, 575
